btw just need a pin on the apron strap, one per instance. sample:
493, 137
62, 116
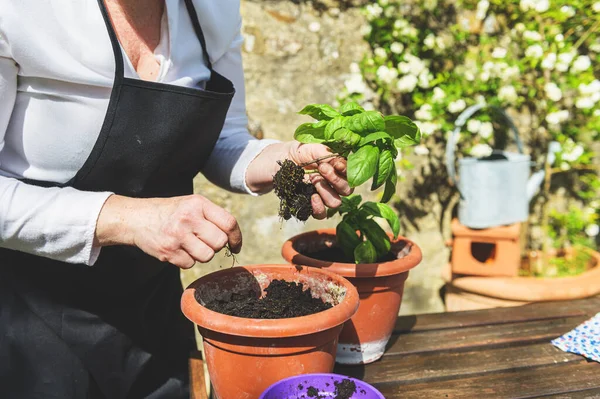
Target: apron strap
198, 29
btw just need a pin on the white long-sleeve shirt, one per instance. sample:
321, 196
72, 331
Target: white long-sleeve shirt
56, 75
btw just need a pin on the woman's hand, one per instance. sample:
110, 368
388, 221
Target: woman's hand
330, 182
179, 230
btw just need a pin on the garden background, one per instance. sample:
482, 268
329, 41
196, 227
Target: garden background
429, 60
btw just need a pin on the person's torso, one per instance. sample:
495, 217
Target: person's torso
66, 73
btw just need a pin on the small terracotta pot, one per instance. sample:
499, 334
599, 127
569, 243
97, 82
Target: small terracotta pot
245, 356
486, 292
380, 286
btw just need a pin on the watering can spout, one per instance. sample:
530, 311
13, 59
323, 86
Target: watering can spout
534, 183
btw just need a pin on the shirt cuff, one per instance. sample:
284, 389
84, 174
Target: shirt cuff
90, 252
238, 175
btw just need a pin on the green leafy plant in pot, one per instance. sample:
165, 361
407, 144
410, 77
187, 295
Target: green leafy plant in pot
359, 249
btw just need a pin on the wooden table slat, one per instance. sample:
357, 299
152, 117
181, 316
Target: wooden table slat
435, 366
532, 312
197, 379
527, 383
474, 337
586, 394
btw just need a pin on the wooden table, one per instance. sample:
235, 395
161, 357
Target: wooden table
493, 353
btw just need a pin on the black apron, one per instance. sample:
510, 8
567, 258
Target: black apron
115, 329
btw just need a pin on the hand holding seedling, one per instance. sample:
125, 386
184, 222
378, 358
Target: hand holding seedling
370, 143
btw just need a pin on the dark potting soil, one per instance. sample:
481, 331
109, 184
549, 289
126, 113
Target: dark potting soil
335, 254
343, 390
293, 192
283, 300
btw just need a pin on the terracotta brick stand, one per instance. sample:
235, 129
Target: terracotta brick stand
486, 252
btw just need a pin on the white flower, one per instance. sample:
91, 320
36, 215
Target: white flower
592, 230
424, 113
397, 48
486, 130
590, 89
457, 106
481, 150
534, 51
510, 73
564, 60
384, 2
428, 128
421, 150
438, 94
429, 41
354, 68
584, 103
407, 83
520, 27
380, 52
355, 84
568, 11
473, 125
596, 7
424, 79
430, 4
595, 47
499, 52
554, 118
559, 38
482, 8
374, 10
385, 74
549, 61
542, 5
532, 35
414, 65
553, 92
365, 30
581, 63
572, 151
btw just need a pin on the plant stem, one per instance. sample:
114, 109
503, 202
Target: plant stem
319, 160
590, 168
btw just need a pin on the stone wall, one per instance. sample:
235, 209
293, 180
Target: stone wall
296, 53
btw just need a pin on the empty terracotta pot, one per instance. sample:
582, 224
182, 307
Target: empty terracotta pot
245, 356
380, 287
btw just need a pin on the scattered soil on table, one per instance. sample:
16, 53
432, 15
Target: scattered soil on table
335, 254
343, 390
294, 193
283, 300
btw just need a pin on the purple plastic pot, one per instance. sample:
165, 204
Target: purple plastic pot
298, 387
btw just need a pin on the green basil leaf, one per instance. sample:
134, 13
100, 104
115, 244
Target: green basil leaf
346, 237
381, 210
365, 253
311, 132
377, 236
350, 109
366, 122
384, 168
362, 164
320, 111
347, 137
404, 131
331, 212
372, 137
333, 125
390, 187
350, 203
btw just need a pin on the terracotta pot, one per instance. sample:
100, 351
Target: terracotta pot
245, 356
485, 292
380, 286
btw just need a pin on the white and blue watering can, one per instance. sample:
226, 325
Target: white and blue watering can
495, 190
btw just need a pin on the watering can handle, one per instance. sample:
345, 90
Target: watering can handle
460, 122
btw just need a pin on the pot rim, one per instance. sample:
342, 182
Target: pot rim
270, 328
363, 270
533, 289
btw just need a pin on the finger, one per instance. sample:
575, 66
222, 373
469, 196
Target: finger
211, 235
197, 249
310, 152
319, 211
328, 195
226, 222
340, 165
339, 183
182, 259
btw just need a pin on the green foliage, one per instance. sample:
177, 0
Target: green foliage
358, 234
371, 143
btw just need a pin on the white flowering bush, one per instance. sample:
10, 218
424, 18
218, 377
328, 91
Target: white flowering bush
540, 59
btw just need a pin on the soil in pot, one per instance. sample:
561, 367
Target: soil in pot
282, 300
343, 390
